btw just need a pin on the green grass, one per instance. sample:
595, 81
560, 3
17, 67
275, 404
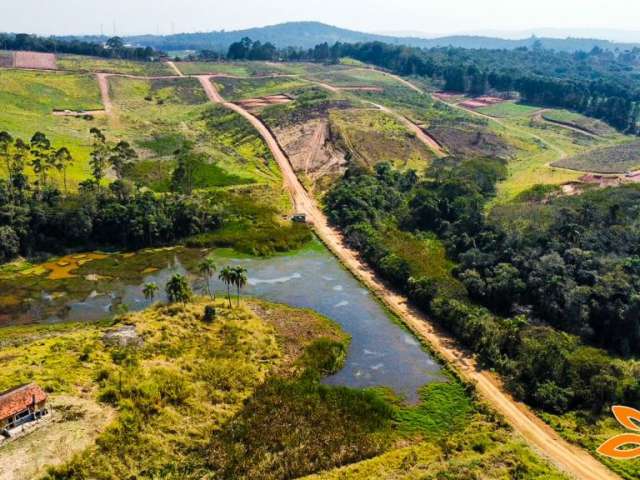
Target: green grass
509, 110
589, 124
346, 77
171, 112
610, 159
234, 89
28, 100
589, 431
82, 63
373, 136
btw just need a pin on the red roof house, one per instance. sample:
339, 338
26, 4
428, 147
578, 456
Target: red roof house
21, 405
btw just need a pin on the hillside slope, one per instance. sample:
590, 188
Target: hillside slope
310, 34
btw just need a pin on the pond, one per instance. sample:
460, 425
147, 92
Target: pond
382, 352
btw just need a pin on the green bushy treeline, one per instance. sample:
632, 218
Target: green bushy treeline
525, 288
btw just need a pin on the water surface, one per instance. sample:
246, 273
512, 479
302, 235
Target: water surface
382, 353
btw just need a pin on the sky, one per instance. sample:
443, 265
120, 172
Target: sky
432, 17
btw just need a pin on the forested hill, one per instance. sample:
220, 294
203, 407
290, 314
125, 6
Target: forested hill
308, 34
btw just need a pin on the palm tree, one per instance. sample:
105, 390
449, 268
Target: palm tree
207, 268
149, 291
227, 275
178, 289
239, 279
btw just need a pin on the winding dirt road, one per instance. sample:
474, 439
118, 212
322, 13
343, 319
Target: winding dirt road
572, 460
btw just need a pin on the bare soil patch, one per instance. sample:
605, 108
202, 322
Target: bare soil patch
480, 102
311, 150
253, 104
74, 425
36, 60
469, 140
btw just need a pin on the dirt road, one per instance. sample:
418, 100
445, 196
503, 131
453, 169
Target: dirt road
103, 83
175, 69
572, 460
428, 140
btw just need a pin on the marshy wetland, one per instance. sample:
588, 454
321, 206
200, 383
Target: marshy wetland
92, 286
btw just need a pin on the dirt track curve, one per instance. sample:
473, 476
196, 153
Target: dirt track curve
570, 459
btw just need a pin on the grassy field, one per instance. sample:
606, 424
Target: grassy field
247, 69
611, 159
234, 89
28, 100
172, 112
350, 77
194, 398
589, 124
80, 63
509, 110
373, 136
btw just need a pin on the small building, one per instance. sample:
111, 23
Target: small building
21, 405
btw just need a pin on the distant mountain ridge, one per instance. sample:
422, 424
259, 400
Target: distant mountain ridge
308, 34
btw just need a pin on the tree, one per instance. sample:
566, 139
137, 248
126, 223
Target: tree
178, 289
207, 268
149, 291
63, 159
41, 158
99, 155
116, 44
227, 275
240, 280
121, 155
9, 243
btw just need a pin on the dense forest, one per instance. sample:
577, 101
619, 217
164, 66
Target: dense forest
602, 84
112, 48
541, 300
37, 216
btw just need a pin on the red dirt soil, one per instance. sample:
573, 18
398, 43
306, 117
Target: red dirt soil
35, 60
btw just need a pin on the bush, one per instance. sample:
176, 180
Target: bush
209, 314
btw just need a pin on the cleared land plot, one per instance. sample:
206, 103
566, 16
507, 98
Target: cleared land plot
508, 110
373, 136
80, 63
248, 69
170, 113
345, 78
615, 159
28, 100
35, 60
253, 104
581, 122
241, 89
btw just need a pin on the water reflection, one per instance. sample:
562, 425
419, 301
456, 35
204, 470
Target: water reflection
381, 353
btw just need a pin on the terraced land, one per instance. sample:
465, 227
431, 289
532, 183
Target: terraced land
79, 63
572, 119
613, 159
174, 112
373, 136
243, 89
